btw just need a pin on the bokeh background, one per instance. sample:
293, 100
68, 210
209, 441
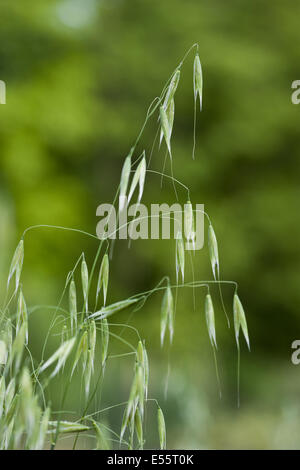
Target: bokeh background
80, 75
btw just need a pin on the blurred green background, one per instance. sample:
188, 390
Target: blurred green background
80, 75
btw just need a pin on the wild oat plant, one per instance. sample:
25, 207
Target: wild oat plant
27, 419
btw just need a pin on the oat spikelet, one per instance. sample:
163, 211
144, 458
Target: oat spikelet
239, 318
124, 181
161, 429
210, 320
213, 251
198, 80
85, 282
103, 278
138, 179
16, 264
